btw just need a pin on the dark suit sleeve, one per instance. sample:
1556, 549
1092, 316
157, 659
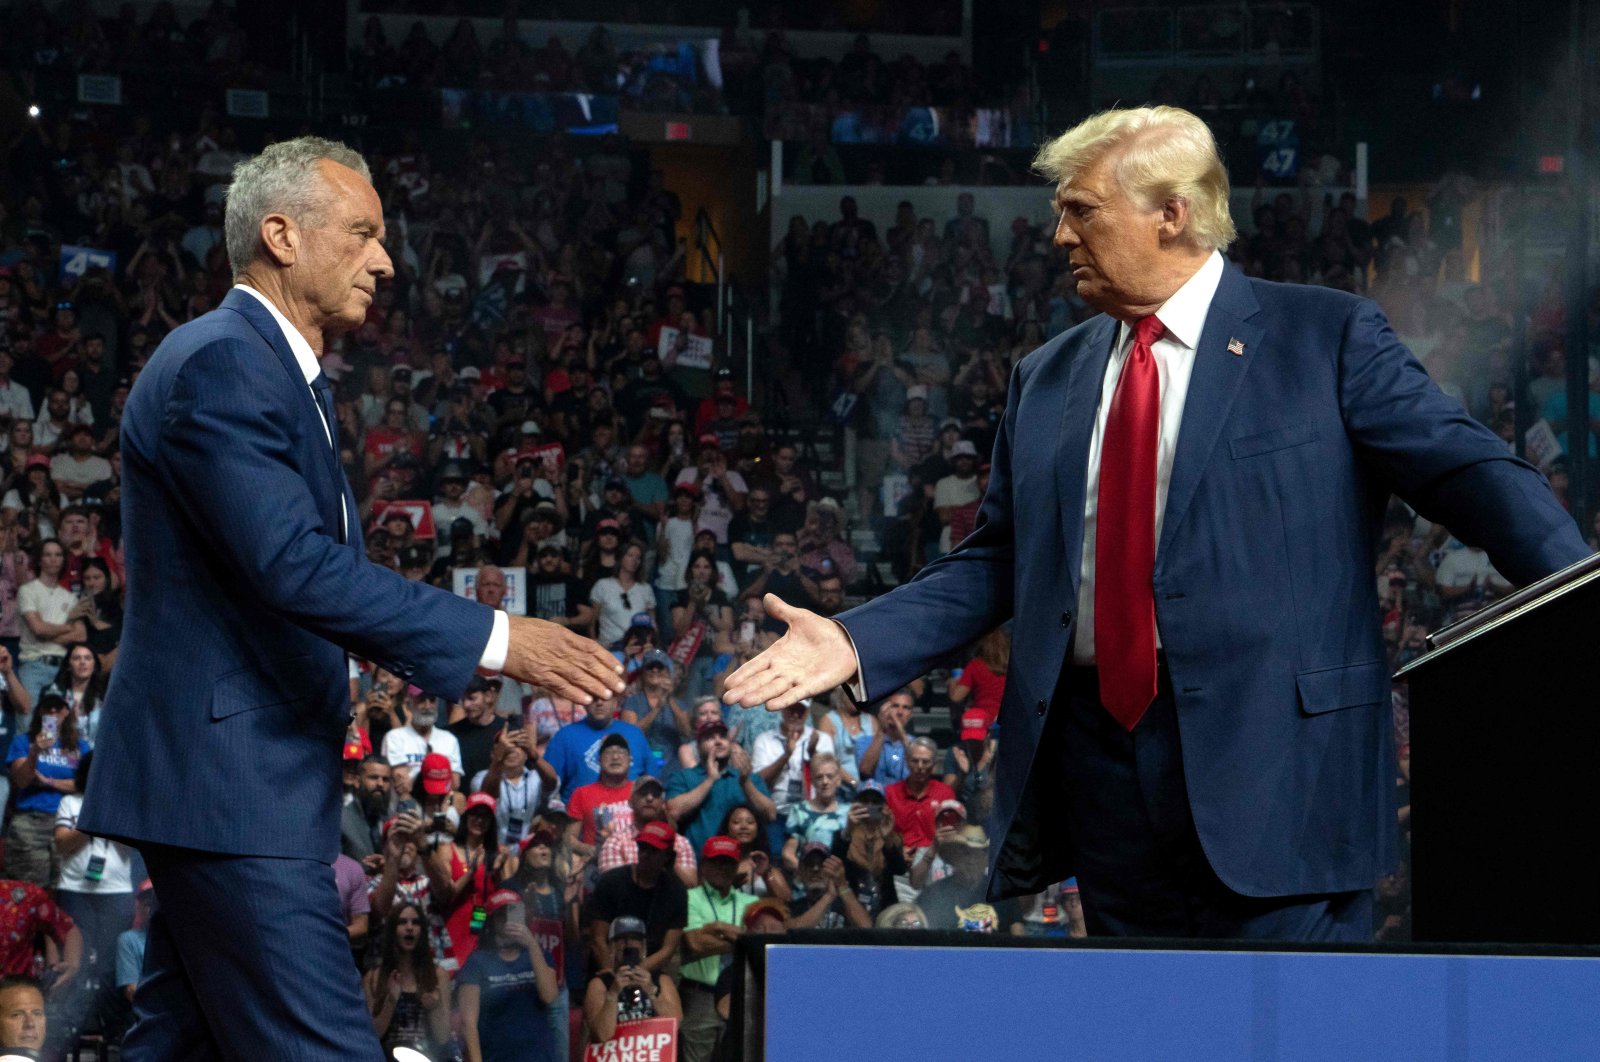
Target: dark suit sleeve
1445, 464
953, 601
227, 458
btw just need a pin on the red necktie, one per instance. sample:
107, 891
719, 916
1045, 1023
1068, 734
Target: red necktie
1125, 536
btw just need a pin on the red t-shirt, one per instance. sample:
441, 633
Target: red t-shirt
987, 689
381, 442
913, 816
597, 804
25, 910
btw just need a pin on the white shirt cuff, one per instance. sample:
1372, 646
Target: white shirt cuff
494, 654
857, 687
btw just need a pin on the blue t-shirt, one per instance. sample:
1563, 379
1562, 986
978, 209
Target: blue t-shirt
575, 752
513, 1024
891, 761
727, 792
130, 956
54, 764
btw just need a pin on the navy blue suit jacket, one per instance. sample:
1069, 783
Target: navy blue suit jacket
225, 718
1265, 587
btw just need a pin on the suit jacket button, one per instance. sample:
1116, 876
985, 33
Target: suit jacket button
1039, 709
1066, 619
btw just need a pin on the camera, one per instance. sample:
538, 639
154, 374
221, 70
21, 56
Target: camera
441, 824
632, 955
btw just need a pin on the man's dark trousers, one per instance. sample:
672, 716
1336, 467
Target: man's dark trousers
247, 959
1140, 867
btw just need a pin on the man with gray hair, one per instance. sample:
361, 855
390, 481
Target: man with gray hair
220, 757
1182, 508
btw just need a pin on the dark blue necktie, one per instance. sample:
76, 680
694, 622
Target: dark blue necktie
324, 392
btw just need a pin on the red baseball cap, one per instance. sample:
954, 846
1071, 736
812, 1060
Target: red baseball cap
500, 898
657, 835
974, 725
436, 775
720, 848
480, 800
711, 439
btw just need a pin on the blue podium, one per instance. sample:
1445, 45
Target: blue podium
947, 997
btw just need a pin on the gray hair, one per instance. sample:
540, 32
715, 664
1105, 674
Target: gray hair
283, 179
923, 743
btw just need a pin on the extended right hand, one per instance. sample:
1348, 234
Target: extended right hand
813, 656
547, 654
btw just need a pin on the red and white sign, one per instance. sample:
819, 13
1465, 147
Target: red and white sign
645, 1040
420, 513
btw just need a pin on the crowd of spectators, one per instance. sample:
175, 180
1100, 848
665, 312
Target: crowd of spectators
515, 429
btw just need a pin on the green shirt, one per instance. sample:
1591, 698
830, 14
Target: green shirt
705, 906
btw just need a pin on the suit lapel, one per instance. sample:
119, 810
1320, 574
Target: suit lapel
1215, 381
248, 307
1086, 375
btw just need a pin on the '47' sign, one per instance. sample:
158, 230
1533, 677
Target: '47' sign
76, 261
1278, 148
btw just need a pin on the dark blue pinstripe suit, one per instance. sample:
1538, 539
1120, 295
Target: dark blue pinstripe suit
219, 750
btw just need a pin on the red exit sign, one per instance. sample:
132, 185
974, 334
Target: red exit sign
1551, 163
677, 130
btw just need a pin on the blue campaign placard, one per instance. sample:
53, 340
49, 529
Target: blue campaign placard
76, 261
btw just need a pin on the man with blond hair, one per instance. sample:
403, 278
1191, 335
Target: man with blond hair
1183, 501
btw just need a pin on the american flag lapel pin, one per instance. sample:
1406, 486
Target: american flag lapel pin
1236, 347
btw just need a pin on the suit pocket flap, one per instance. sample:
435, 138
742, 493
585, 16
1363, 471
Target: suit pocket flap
283, 681
1331, 688
1268, 441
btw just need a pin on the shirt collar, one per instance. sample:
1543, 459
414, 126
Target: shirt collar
1183, 316
304, 356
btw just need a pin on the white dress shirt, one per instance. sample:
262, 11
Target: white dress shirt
1183, 317
494, 654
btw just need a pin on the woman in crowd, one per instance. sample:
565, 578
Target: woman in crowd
505, 1013
759, 874
46, 606
552, 904
851, 729
104, 615
602, 555
674, 543
82, 682
43, 763
478, 864
627, 991
983, 679
703, 617
34, 498
408, 996
622, 596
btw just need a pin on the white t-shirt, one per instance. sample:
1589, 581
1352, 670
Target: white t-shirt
403, 746
117, 874
52, 603
617, 607
64, 468
790, 787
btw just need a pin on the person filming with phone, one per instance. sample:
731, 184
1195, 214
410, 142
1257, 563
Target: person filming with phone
627, 991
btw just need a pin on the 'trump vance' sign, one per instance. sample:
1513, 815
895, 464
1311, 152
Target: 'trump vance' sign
645, 1040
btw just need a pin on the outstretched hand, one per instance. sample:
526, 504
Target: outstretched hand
549, 655
813, 656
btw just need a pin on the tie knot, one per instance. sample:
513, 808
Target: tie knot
1147, 330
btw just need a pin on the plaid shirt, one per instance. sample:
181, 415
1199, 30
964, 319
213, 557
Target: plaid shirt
621, 849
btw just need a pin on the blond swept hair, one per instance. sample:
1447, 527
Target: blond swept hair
1162, 153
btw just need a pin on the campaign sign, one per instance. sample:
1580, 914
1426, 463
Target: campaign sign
693, 353
420, 513
644, 1040
76, 261
465, 584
